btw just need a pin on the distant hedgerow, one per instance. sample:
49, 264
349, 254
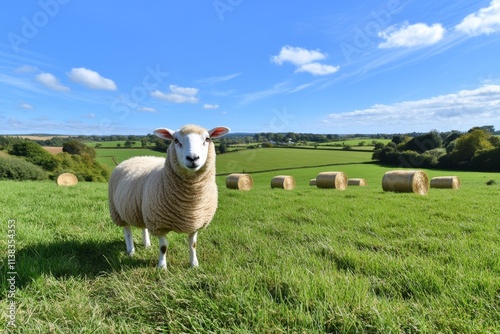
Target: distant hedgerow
20, 169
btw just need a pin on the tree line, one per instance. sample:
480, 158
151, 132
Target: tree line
477, 149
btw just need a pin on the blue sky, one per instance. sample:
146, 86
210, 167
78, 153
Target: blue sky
124, 67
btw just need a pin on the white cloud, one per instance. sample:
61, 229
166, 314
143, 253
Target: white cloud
50, 81
26, 106
419, 34
484, 21
297, 56
178, 94
147, 109
460, 111
91, 79
210, 106
317, 68
89, 116
305, 60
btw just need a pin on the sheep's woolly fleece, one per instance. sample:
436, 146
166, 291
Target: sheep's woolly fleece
157, 194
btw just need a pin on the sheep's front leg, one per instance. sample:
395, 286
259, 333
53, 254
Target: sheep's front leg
145, 238
129, 241
192, 249
162, 259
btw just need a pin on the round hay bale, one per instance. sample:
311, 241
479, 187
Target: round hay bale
312, 182
336, 180
356, 182
67, 179
239, 181
406, 181
445, 182
286, 182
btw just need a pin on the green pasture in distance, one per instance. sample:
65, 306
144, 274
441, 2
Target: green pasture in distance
284, 158
105, 156
113, 143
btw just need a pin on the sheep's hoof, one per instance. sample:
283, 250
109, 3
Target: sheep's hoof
194, 264
162, 266
131, 253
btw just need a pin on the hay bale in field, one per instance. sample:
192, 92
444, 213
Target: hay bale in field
312, 182
239, 181
286, 182
445, 182
67, 179
406, 181
336, 180
356, 182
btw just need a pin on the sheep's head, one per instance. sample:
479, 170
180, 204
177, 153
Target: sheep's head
192, 143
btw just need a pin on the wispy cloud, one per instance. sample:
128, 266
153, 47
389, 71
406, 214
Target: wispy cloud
88, 116
461, 111
305, 60
406, 35
279, 88
91, 79
216, 80
26, 69
26, 106
178, 94
19, 83
147, 109
210, 106
50, 81
484, 21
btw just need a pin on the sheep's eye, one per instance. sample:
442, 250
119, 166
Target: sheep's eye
207, 140
176, 141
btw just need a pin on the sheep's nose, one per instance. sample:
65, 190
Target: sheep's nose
192, 158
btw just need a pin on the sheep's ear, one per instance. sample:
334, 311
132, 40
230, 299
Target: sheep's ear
164, 133
218, 132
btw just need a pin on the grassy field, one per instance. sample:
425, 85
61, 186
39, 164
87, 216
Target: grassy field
106, 156
113, 144
272, 261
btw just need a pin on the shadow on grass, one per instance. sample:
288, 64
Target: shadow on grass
66, 259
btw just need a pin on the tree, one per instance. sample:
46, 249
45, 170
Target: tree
34, 153
77, 147
471, 144
425, 142
222, 147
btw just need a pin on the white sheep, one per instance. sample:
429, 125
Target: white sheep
160, 195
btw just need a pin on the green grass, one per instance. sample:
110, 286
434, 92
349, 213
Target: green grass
272, 261
113, 144
106, 156
285, 158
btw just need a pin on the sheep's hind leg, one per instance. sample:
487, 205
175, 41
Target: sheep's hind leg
129, 241
145, 238
162, 259
193, 260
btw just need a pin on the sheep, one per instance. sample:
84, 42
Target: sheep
177, 193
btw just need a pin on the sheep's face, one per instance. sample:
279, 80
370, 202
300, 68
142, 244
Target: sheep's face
191, 144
